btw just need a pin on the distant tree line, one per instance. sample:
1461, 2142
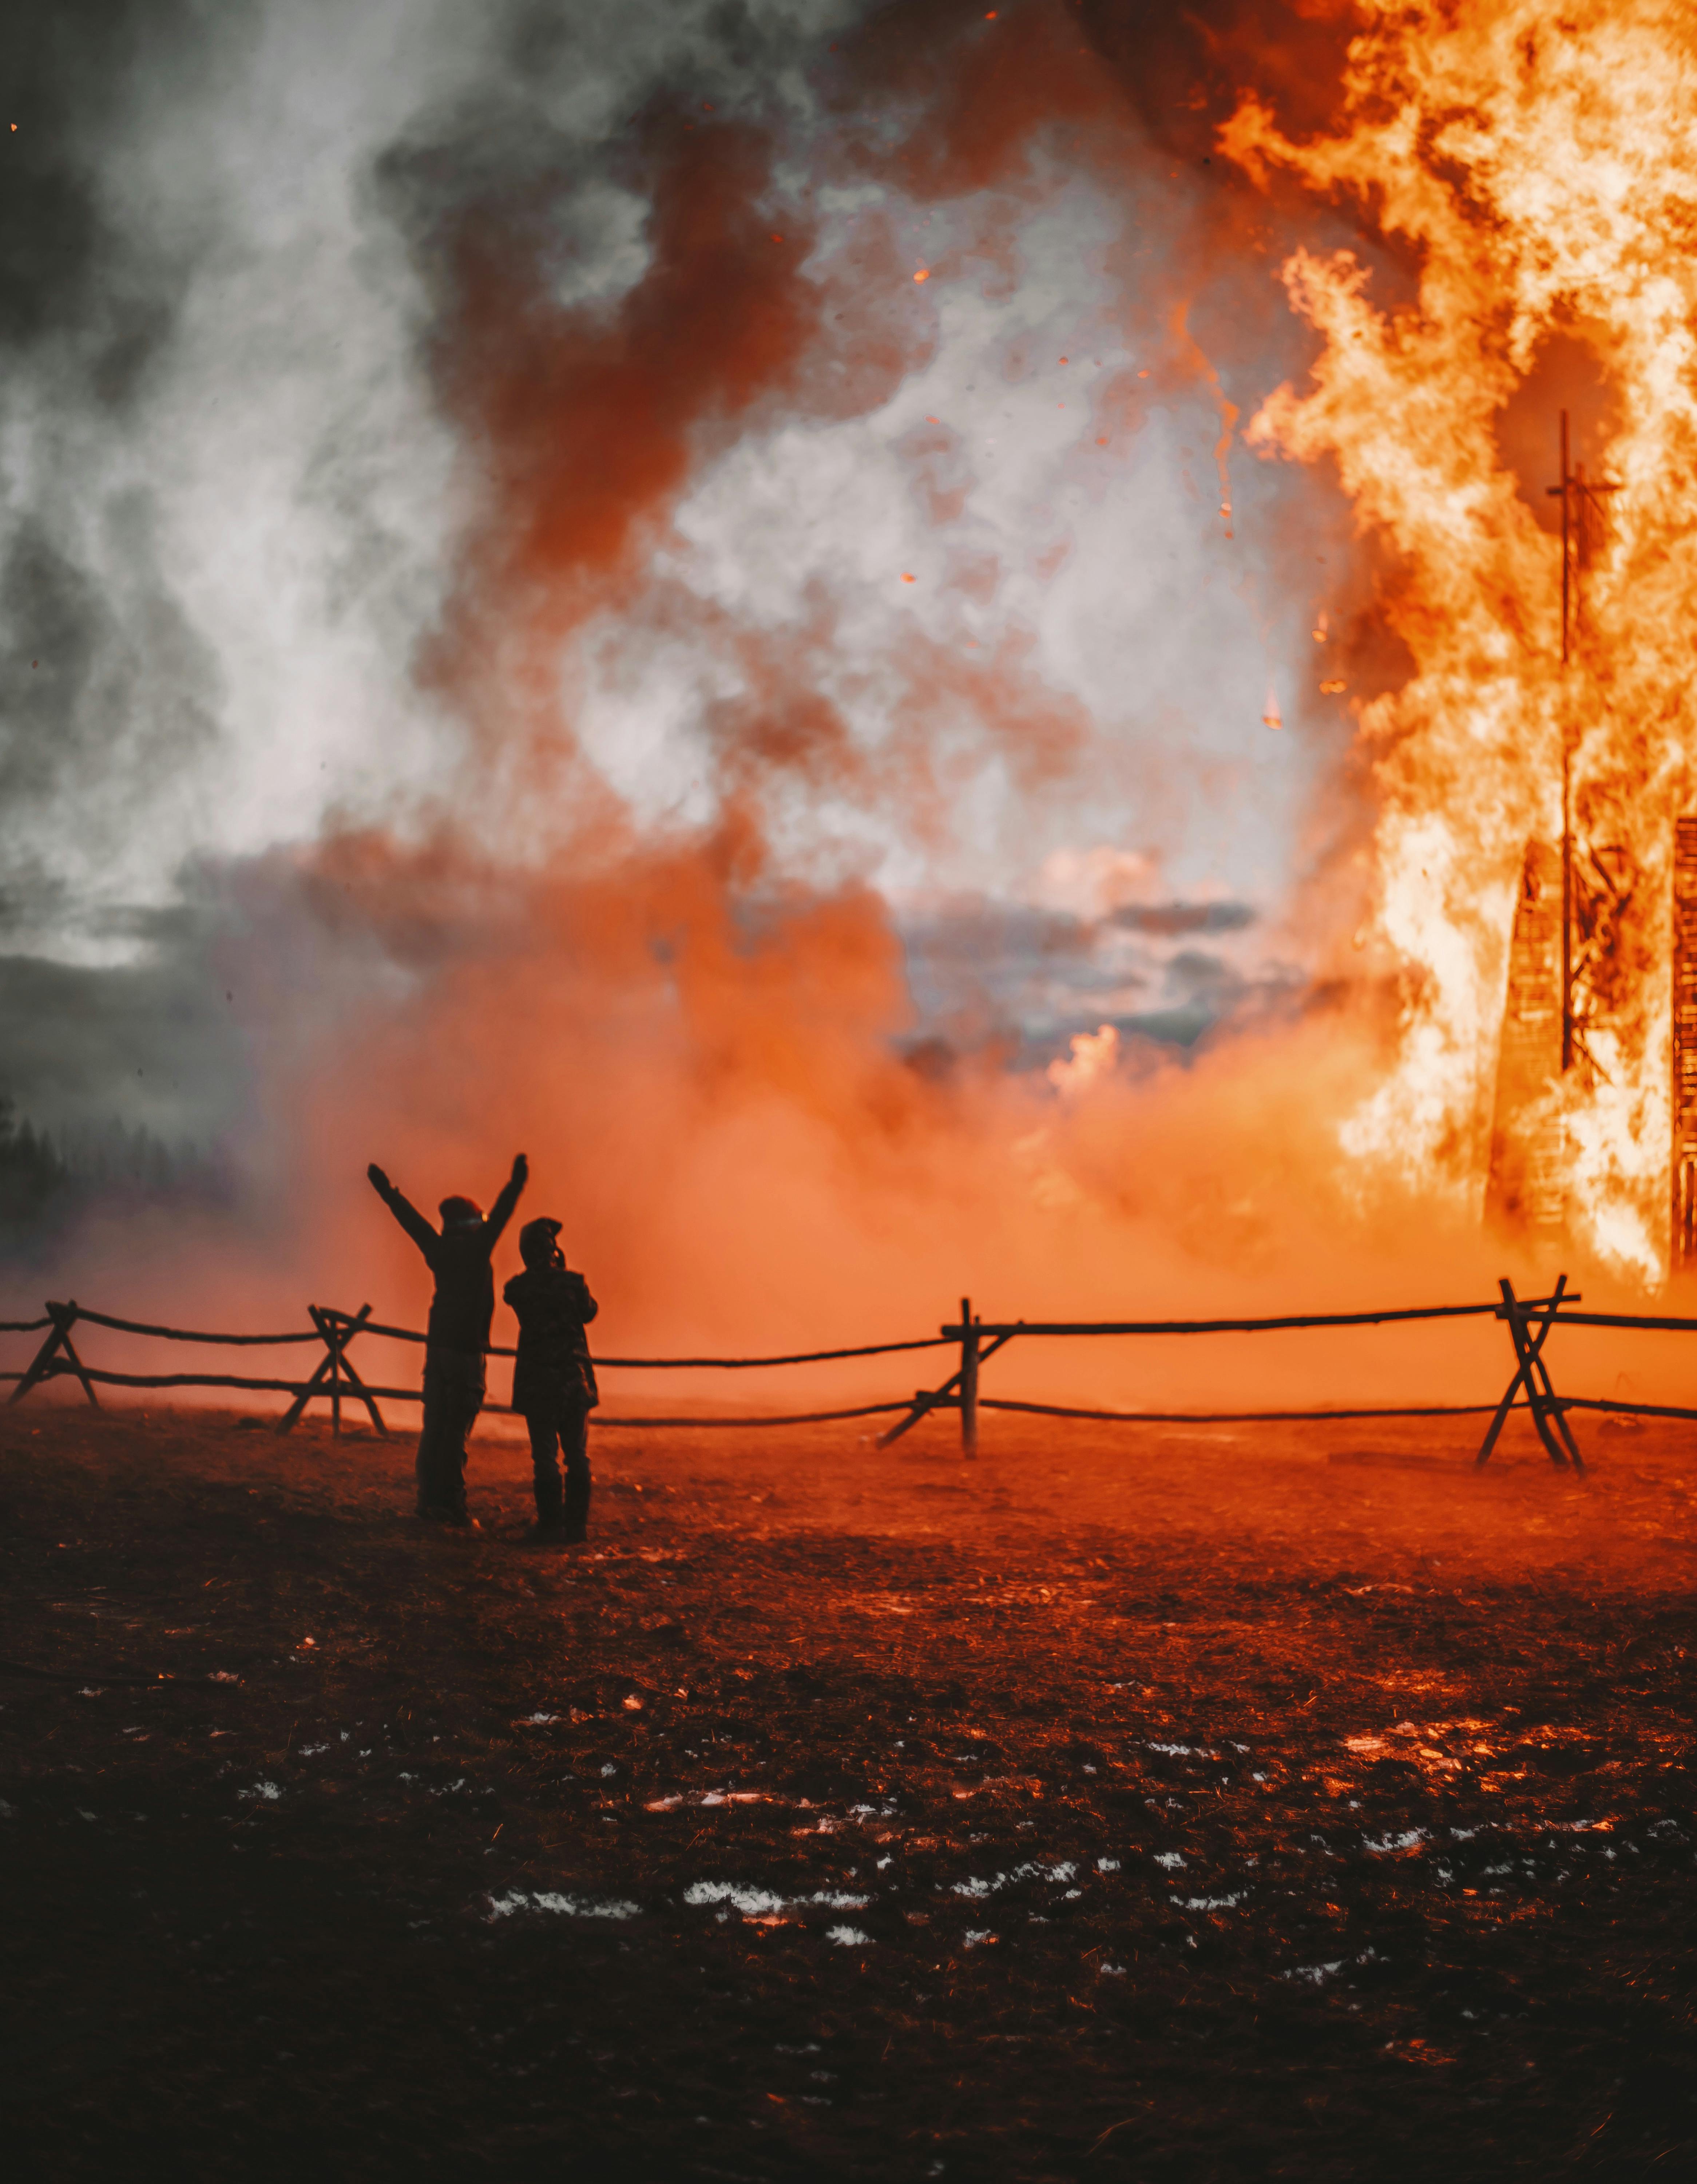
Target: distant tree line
46, 1184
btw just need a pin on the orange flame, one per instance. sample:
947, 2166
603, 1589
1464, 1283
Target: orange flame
1543, 175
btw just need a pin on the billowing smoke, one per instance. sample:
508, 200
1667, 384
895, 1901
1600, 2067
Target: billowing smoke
680, 586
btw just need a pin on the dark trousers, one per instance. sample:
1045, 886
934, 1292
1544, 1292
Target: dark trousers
568, 1431
452, 1397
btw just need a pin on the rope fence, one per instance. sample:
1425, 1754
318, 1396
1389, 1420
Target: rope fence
336, 1379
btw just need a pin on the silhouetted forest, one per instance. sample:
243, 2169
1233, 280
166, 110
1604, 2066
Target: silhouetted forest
48, 1183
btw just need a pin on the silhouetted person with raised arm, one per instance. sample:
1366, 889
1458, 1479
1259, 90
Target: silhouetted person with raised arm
553, 1380
460, 1313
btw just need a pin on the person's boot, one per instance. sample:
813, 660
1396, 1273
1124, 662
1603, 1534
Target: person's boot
450, 1520
576, 1513
550, 1524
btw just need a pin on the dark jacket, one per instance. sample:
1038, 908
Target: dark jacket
553, 1372
464, 1305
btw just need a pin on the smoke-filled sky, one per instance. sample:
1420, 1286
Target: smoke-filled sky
516, 519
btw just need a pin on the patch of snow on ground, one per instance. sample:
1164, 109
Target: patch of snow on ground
764, 1904
548, 1899
1314, 1973
268, 1792
1063, 1871
851, 1937
1171, 1859
975, 1935
752, 1902
1410, 1839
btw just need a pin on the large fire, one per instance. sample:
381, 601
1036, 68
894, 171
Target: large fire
1541, 174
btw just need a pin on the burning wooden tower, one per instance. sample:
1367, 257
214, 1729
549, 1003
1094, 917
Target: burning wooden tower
1683, 1257
1566, 965
1527, 1183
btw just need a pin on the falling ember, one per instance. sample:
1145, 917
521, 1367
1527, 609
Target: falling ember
923, 274
1541, 180
1271, 717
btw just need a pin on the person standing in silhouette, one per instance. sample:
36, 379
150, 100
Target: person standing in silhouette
553, 1380
458, 1336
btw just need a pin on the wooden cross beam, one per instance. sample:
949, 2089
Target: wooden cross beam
46, 1364
343, 1367
338, 1330
1548, 1414
926, 1400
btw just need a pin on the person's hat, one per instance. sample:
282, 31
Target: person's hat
537, 1240
460, 1213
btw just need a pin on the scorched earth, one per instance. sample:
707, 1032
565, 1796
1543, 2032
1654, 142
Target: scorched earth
1130, 1803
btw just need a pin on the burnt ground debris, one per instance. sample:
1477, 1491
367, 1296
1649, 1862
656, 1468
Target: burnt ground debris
1131, 1804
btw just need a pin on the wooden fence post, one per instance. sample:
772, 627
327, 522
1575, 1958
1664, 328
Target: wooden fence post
338, 1330
968, 1380
346, 1370
345, 1374
43, 1366
1548, 1413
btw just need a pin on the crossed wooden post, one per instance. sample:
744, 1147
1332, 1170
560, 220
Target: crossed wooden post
1549, 1412
43, 1366
334, 1369
959, 1391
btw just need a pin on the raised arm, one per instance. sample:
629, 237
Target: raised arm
588, 1306
501, 1213
402, 1209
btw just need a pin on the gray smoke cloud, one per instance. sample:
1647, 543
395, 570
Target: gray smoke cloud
236, 485
228, 508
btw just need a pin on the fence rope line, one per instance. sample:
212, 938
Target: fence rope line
668, 1364
23, 1326
57, 1370
1639, 1410
189, 1335
1643, 1320
799, 1418
1011, 1326
1242, 1417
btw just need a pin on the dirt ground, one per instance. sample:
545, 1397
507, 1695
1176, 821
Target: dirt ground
1131, 1804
